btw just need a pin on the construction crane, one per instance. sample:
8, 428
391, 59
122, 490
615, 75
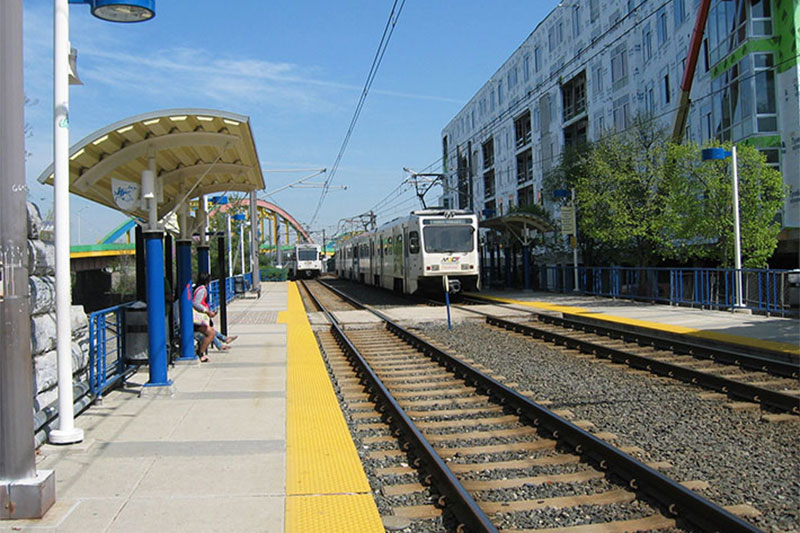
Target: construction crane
682, 115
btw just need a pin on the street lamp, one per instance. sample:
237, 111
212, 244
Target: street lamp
117, 11
721, 153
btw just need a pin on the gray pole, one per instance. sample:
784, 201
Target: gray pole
24, 493
254, 244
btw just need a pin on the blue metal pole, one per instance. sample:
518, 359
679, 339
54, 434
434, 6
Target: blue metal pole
184, 256
447, 301
203, 263
526, 266
157, 338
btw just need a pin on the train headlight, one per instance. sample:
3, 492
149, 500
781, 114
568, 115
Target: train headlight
466, 267
434, 267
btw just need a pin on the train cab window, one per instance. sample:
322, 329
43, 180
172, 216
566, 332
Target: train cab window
413, 242
389, 246
398, 243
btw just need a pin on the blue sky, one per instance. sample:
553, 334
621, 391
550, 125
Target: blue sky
296, 68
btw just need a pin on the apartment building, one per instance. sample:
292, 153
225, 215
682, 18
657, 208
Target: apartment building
590, 66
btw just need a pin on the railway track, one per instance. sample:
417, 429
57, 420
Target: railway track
490, 457
750, 377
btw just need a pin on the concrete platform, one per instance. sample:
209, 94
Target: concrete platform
243, 444
779, 334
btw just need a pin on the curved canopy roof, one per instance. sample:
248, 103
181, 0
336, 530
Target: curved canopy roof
197, 151
517, 224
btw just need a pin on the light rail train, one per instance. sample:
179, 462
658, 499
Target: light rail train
414, 253
306, 261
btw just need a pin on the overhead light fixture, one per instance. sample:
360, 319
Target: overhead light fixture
123, 11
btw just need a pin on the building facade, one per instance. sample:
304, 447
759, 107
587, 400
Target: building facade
590, 66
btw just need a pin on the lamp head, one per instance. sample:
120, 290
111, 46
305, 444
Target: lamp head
124, 10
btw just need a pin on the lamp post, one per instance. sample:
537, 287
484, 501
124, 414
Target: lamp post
116, 11
721, 153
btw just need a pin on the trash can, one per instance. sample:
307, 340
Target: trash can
793, 296
238, 285
136, 343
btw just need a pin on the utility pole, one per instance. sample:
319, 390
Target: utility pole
24, 491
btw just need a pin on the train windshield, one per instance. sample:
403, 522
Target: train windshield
448, 238
307, 255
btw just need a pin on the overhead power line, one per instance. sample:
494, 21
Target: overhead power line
388, 29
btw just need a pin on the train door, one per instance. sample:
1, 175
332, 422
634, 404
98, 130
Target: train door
405, 258
372, 262
414, 263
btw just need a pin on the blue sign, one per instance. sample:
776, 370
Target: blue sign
239, 216
714, 153
561, 193
219, 200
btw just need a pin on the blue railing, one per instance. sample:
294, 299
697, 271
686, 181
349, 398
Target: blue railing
106, 348
765, 291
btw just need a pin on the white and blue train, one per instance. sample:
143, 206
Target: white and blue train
414, 253
306, 261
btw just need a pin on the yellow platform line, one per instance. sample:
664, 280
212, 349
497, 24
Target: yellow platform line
749, 342
326, 488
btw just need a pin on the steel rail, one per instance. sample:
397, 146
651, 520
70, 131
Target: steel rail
738, 389
454, 495
720, 353
676, 499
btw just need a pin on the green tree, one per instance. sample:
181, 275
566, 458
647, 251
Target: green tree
620, 194
700, 206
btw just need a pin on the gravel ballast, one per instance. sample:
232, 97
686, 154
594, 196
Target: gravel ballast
745, 460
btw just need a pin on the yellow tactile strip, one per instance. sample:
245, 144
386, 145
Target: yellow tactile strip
326, 488
703, 334
332, 512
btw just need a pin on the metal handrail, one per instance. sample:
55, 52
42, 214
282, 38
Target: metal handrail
765, 290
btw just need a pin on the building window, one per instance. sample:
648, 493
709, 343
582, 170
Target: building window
537, 120
650, 100
594, 10
525, 196
576, 21
525, 166
773, 156
551, 39
444, 154
500, 92
647, 42
522, 129
661, 25
679, 10
488, 184
761, 17
766, 108
665, 89
487, 149
597, 81
731, 23
574, 96
621, 114
600, 126
537, 58
619, 67
526, 68
493, 100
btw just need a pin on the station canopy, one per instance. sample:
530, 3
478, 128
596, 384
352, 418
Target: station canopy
196, 152
518, 224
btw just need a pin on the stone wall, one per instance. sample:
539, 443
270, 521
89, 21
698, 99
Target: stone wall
41, 267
